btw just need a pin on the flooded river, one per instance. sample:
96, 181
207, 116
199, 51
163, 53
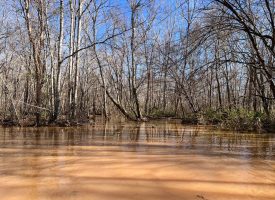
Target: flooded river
160, 160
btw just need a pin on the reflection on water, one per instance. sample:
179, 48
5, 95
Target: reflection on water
119, 160
141, 137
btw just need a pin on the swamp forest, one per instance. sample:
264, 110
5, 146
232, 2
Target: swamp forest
137, 99
202, 61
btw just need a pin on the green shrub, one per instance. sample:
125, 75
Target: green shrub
161, 113
235, 119
211, 116
191, 118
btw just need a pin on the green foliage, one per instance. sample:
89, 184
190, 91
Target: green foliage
191, 118
228, 119
241, 119
156, 113
236, 119
211, 116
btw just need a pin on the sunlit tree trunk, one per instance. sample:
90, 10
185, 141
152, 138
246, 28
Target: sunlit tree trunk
77, 60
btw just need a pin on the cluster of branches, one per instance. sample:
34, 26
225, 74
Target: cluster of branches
139, 58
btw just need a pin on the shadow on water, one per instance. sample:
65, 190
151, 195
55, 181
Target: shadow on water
163, 137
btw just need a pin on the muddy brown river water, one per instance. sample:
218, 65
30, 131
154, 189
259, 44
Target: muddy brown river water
160, 160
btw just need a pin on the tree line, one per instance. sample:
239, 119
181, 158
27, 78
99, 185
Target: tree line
136, 58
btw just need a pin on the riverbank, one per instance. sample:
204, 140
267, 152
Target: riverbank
230, 120
60, 122
237, 120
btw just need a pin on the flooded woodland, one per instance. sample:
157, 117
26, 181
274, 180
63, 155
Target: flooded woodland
137, 99
128, 160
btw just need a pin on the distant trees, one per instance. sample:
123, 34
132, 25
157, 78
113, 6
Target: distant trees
68, 59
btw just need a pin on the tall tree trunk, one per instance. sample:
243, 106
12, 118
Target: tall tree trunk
76, 72
71, 58
133, 63
58, 65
